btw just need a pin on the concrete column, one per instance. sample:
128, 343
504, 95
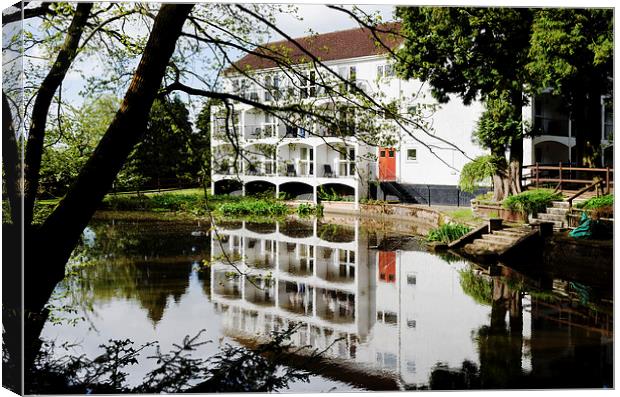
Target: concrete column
357, 196
277, 190
314, 194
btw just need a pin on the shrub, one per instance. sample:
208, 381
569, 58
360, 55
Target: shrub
531, 201
308, 210
250, 206
477, 171
448, 232
597, 202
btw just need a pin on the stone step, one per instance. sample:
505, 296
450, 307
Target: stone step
560, 204
492, 245
543, 216
557, 211
501, 237
512, 235
556, 224
479, 249
513, 232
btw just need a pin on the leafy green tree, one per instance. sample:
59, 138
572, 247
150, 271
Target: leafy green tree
571, 52
477, 54
169, 153
71, 141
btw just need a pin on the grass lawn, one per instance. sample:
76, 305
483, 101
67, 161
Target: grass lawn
464, 215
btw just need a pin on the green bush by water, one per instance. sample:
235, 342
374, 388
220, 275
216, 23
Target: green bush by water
531, 201
448, 232
304, 210
252, 206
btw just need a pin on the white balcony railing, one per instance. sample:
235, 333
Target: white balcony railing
260, 131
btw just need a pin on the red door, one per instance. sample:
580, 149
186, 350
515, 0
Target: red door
387, 164
387, 266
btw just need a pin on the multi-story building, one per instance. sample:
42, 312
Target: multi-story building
338, 148
320, 127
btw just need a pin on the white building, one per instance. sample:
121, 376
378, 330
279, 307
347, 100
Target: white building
292, 153
257, 148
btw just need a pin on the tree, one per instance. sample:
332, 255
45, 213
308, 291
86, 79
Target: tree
148, 63
477, 54
170, 151
71, 141
571, 53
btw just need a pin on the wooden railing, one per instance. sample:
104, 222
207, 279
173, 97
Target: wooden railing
566, 174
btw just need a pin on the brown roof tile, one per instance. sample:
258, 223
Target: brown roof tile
344, 44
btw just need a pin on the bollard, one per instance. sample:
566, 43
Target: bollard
495, 224
546, 229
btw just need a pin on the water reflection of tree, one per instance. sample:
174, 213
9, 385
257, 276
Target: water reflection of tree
126, 260
233, 369
577, 361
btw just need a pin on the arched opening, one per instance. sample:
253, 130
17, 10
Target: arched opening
260, 188
551, 152
335, 192
228, 186
296, 191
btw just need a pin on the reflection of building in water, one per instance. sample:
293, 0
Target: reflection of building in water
397, 313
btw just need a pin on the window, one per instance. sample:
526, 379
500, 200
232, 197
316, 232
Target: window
386, 70
412, 154
411, 323
307, 85
411, 279
268, 89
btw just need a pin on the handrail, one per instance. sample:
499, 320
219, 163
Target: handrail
536, 169
582, 191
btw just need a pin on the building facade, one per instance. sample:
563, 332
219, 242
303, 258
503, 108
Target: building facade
314, 124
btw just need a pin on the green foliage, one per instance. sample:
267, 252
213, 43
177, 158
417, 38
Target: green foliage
479, 170
597, 202
304, 210
531, 201
477, 286
71, 141
169, 151
570, 49
468, 51
330, 194
485, 197
448, 232
499, 123
253, 206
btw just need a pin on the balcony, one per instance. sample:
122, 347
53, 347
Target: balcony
551, 126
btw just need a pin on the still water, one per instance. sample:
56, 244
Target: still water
387, 314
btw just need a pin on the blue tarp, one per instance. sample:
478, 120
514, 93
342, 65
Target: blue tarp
584, 230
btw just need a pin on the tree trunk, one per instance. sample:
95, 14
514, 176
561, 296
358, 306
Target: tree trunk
11, 162
49, 247
587, 125
36, 132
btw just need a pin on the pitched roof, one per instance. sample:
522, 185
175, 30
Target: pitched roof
344, 44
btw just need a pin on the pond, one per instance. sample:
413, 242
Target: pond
385, 313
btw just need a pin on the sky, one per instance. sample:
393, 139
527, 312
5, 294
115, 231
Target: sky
316, 18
